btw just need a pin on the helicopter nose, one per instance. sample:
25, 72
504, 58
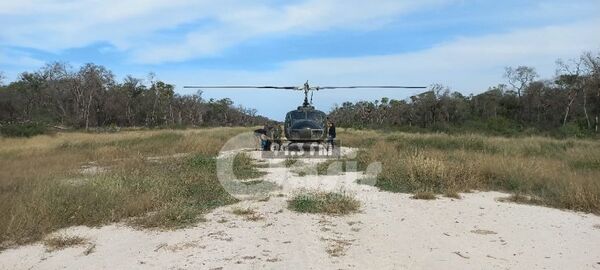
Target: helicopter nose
306, 129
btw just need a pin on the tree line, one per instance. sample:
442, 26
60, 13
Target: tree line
568, 104
90, 97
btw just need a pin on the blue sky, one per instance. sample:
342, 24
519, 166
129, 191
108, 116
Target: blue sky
462, 44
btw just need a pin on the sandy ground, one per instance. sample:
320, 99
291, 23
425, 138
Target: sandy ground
392, 231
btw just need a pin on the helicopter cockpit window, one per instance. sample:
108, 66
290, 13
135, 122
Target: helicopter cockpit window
299, 115
315, 116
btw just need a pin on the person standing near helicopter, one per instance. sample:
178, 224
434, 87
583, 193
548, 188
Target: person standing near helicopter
262, 134
277, 136
330, 135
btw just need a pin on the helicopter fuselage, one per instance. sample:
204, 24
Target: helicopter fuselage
305, 124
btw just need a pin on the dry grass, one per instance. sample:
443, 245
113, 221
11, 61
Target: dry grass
324, 202
145, 182
518, 198
243, 211
244, 167
557, 173
42, 187
452, 194
60, 242
337, 247
329, 167
249, 214
424, 195
290, 162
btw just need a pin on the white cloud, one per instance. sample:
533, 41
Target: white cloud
467, 56
468, 64
137, 25
57, 25
12, 62
18, 59
240, 24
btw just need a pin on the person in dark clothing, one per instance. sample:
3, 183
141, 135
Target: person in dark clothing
266, 138
277, 136
331, 135
261, 135
257, 133
268, 143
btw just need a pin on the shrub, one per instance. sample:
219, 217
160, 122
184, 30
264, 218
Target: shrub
324, 202
29, 129
571, 130
245, 167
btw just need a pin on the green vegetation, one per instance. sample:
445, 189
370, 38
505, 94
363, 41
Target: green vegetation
583, 164
324, 202
556, 173
289, 162
22, 129
244, 167
565, 106
139, 177
91, 98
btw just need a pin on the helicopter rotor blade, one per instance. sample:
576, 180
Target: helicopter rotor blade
244, 87
300, 88
372, 86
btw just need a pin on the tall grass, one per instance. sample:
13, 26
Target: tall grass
142, 179
42, 186
556, 173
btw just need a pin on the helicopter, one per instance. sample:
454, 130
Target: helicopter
306, 124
